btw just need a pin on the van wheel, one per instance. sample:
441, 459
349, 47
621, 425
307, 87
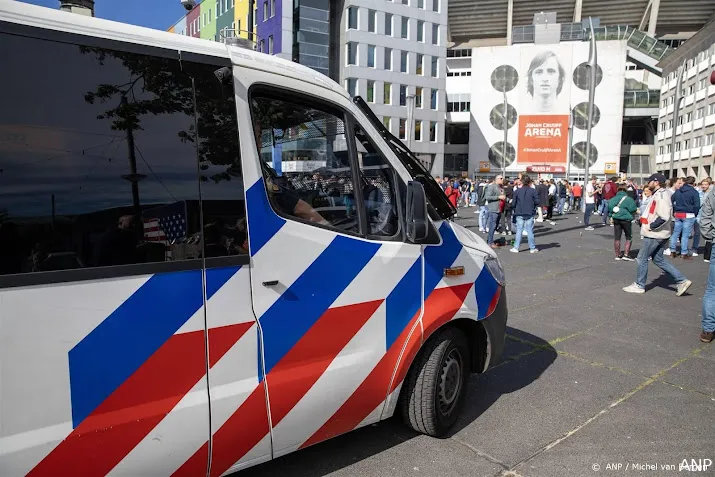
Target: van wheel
435, 386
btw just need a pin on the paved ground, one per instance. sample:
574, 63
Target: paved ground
591, 376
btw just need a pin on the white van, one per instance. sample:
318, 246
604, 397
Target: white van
210, 257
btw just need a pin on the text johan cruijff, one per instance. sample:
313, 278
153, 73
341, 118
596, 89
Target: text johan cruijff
543, 139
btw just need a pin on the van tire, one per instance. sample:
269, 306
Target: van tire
434, 390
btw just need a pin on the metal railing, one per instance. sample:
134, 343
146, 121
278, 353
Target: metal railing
641, 99
636, 39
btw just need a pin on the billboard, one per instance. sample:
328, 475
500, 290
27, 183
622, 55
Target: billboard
526, 94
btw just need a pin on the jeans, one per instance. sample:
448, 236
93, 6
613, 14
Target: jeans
587, 214
474, 198
686, 227
525, 223
709, 301
654, 248
562, 202
603, 208
493, 219
483, 217
696, 236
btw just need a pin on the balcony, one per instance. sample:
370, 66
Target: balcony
641, 103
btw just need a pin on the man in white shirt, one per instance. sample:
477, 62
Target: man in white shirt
590, 201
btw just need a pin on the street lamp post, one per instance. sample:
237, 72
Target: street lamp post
592, 65
506, 130
676, 116
569, 153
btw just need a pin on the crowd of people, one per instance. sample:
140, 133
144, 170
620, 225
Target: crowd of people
669, 213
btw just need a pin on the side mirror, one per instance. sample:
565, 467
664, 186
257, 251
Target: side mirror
417, 222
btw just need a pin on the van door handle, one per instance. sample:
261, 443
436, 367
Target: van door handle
270, 283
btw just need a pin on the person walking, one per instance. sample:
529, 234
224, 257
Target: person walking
508, 209
526, 203
686, 205
707, 229
543, 190
621, 208
645, 200
590, 201
656, 231
563, 194
492, 199
702, 192
483, 210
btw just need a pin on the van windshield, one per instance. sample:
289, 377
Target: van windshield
434, 192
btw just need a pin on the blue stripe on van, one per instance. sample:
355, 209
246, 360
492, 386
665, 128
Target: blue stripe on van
405, 300
116, 348
263, 222
305, 301
484, 288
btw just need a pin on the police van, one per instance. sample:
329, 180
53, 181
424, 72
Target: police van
211, 257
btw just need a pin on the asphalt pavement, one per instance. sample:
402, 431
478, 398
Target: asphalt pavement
594, 381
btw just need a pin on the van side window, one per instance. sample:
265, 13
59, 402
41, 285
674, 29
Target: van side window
379, 189
98, 164
306, 165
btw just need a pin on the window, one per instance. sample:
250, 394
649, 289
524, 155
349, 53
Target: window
418, 130
352, 53
261, 44
371, 56
688, 117
403, 32
67, 198
420, 31
677, 146
388, 59
686, 144
668, 148
660, 150
386, 122
433, 69
701, 84
255, 15
670, 124
680, 120
709, 139
435, 5
265, 11
433, 131
403, 132
273, 8
662, 127
691, 89
421, 4
318, 132
387, 93
405, 2
380, 189
671, 100
418, 97
352, 18
270, 44
435, 34
700, 113
403, 95
370, 91
403, 62
371, 21
388, 24
420, 60
433, 99
352, 86
711, 109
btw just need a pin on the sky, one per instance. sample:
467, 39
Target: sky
159, 14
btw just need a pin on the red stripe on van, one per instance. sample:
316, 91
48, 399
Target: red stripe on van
112, 430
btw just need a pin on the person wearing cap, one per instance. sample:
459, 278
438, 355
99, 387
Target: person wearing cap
655, 227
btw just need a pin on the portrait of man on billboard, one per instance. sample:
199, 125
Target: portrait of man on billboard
545, 80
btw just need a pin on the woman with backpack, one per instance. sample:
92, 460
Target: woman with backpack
621, 209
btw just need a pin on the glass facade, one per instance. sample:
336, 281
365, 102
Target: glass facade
311, 34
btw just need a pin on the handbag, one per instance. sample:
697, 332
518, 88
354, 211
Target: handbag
617, 208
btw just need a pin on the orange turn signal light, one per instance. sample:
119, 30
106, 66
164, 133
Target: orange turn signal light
453, 271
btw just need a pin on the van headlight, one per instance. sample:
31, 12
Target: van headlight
495, 268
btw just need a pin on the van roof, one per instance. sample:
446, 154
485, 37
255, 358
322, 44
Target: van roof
51, 19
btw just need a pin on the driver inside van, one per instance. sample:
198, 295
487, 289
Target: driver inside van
283, 198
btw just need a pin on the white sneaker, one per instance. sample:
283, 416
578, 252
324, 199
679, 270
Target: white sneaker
534, 250
618, 258
706, 261
589, 228
504, 233
611, 225
628, 259
482, 230
633, 288
513, 250
683, 287
694, 254
666, 252
509, 232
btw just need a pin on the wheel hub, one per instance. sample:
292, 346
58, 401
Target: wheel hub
450, 381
